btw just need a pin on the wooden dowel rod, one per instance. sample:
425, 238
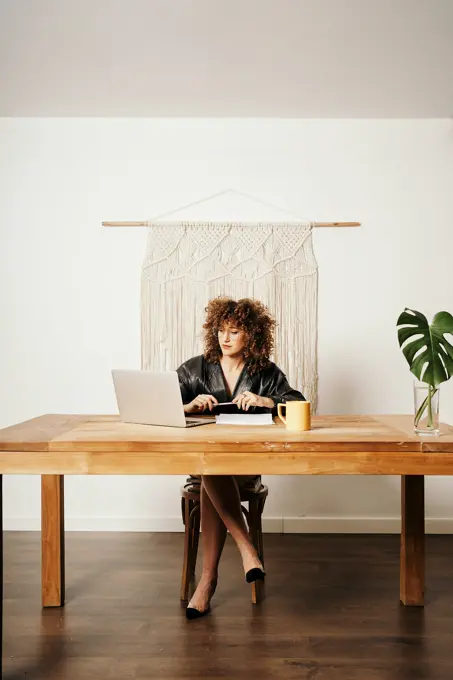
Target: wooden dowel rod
337, 224
145, 224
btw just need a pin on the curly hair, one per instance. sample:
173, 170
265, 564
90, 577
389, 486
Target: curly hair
248, 315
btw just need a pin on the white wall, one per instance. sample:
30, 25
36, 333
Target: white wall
69, 289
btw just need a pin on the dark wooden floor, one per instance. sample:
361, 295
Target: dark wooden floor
331, 612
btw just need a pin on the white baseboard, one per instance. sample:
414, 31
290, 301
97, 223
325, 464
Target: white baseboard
360, 525
271, 525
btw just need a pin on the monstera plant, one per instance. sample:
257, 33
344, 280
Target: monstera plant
428, 351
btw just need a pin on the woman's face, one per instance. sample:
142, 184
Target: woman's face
232, 340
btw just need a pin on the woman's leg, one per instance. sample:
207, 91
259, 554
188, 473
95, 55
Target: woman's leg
213, 536
224, 494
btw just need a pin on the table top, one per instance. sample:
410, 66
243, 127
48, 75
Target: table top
336, 444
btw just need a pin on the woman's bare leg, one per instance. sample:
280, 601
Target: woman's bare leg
213, 539
224, 494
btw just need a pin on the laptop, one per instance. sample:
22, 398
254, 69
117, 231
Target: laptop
152, 398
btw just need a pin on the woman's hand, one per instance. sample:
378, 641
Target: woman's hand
247, 399
201, 403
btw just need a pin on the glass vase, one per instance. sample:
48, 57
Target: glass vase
426, 409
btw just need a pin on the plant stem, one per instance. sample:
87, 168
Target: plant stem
421, 409
430, 407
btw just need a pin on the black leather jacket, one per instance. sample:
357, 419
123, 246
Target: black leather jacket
198, 376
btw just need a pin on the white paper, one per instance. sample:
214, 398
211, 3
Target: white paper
244, 419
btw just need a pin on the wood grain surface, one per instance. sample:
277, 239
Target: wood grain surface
338, 444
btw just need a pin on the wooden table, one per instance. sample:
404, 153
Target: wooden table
56, 445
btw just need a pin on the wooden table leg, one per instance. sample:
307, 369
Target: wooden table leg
52, 540
412, 554
1, 576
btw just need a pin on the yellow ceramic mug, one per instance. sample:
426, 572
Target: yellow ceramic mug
297, 415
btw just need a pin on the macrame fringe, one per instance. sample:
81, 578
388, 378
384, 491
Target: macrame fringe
187, 265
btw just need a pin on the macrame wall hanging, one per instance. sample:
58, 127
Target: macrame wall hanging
188, 263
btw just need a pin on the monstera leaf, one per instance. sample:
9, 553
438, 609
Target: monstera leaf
427, 350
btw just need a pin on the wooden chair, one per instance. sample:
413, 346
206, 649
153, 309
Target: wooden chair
190, 505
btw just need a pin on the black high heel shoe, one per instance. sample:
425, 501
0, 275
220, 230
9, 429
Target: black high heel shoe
192, 613
255, 574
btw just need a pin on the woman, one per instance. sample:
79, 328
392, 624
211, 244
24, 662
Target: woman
235, 366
